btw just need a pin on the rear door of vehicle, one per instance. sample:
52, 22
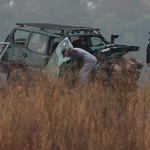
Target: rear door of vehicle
9, 53
35, 51
14, 52
26, 47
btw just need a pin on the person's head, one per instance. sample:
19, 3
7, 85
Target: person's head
65, 52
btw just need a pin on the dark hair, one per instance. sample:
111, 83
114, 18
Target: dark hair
63, 52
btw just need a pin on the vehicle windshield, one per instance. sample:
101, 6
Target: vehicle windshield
96, 41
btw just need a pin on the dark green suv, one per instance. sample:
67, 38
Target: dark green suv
38, 46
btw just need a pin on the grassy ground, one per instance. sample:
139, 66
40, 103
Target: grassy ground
52, 115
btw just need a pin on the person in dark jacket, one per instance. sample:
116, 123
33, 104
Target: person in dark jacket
148, 54
81, 58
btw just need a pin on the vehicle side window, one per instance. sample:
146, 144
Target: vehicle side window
78, 41
13, 53
2, 46
38, 43
55, 41
19, 37
96, 41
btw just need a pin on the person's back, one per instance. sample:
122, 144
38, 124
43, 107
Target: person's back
86, 55
83, 57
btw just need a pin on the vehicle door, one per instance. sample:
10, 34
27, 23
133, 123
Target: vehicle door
14, 50
12, 53
9, 53
52, 69
34, 54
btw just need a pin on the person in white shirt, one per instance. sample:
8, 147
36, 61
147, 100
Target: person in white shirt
82, 59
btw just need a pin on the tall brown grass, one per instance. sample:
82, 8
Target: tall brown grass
53, 115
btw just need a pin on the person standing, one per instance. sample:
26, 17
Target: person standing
148, 54
83, 60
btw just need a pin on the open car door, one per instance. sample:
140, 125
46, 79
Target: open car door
52, 69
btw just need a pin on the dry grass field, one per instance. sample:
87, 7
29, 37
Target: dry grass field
52, 115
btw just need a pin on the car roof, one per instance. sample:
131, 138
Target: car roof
62, 28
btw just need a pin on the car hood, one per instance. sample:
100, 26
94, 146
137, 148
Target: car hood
113, 50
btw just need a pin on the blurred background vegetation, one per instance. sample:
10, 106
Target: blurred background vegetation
129, 19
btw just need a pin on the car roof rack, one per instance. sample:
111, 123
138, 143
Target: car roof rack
58, 27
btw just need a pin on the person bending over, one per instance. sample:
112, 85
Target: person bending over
83, 59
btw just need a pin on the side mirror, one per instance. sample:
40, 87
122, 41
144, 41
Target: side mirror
113, 37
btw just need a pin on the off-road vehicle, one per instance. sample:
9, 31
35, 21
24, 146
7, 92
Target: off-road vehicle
36, 46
